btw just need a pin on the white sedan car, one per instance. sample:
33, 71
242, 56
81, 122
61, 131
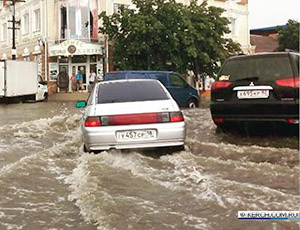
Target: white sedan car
129, 114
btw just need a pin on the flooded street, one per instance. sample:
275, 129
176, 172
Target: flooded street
48, 182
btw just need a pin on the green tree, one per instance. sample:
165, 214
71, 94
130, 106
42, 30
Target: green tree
288, 37
165, 35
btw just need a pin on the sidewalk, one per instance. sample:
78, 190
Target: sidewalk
74, 96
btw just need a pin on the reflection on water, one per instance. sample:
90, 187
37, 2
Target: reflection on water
262, 134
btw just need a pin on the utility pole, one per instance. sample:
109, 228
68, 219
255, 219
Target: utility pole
13, 28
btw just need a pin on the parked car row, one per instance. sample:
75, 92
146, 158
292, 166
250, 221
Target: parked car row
140, 109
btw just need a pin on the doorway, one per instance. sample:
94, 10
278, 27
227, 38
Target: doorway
81, 68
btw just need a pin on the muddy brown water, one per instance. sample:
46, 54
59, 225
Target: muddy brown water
47, 182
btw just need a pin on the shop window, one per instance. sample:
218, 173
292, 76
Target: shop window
93, 67
79, 59
63, 68
53, 71
52, 59
93, 58
63, 60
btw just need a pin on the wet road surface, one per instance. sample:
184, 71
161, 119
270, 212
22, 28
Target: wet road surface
47, 182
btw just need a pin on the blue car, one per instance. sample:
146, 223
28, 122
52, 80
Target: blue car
184, 94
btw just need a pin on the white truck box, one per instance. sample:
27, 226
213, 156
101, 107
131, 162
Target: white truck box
21, 78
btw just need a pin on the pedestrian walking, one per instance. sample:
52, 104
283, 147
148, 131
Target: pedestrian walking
92, 79
79, 79
73, 82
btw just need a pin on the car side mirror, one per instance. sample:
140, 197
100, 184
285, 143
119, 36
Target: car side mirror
81, 104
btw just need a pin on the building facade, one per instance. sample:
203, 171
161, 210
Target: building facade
62, 35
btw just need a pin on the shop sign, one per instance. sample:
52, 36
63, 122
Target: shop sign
73, 47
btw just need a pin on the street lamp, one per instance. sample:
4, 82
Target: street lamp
13, 28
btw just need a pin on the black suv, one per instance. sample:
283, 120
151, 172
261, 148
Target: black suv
260, 87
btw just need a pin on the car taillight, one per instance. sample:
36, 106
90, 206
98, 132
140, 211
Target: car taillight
218, 120
176, 117
140, 118
129, 119
293, 121
289, 82
92, 122
220, 85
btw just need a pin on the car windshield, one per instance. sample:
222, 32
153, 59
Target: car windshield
162, 77
114, 76
263, 68
130, 91
124, 75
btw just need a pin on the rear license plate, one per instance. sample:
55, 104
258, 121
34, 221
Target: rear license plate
253, 94
132, 135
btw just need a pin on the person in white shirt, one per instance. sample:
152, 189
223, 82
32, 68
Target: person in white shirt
92, 79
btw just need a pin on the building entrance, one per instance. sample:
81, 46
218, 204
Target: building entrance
82, 69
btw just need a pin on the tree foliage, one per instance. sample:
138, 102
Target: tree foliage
165, 35
288, 37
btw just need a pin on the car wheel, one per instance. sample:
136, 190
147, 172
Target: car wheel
85, 149
46, 97
192, 103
